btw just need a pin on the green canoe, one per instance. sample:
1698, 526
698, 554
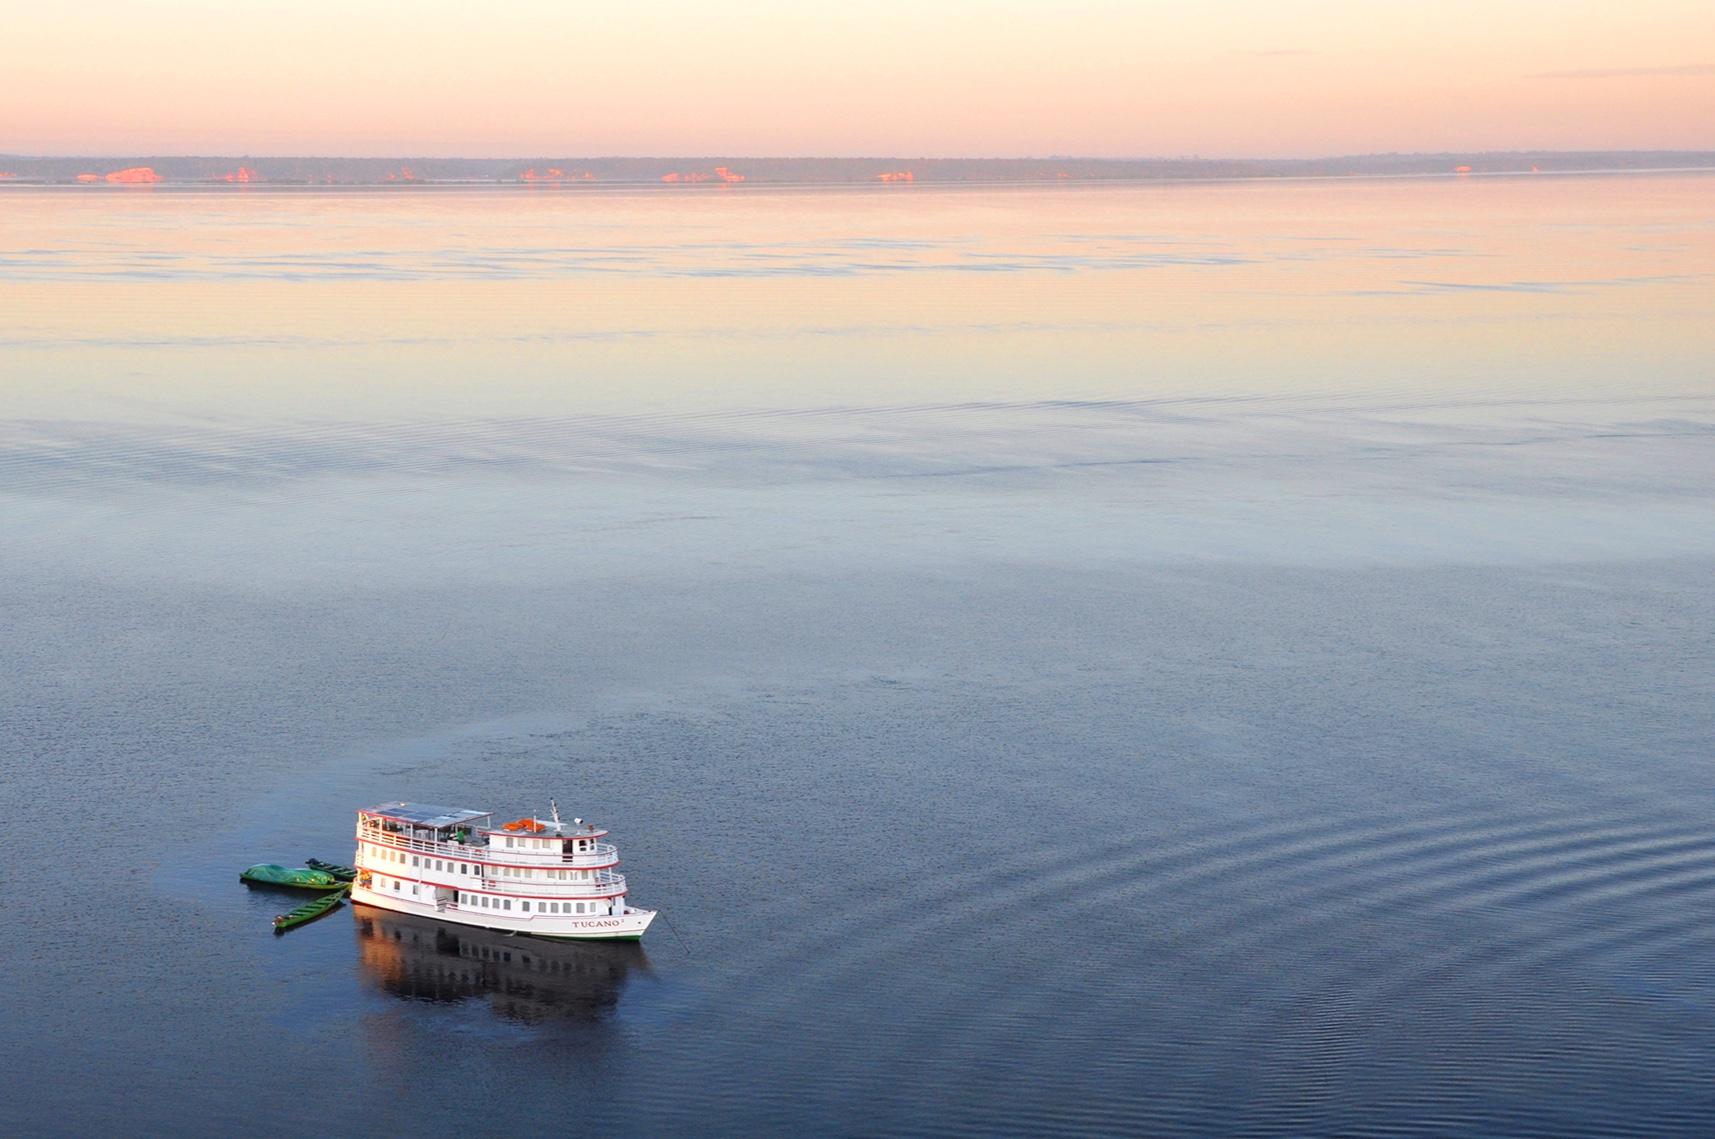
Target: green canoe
343, 873
270, 874
311, 910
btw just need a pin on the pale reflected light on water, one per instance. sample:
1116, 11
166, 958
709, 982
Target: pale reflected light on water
1154, 658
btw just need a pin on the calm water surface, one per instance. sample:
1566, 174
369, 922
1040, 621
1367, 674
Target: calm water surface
1200, 659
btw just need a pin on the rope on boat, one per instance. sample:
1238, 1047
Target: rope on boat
682, 944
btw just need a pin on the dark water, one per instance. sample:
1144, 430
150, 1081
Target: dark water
1222, 660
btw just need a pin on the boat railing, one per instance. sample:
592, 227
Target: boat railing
600, 884
600, 853
405, 842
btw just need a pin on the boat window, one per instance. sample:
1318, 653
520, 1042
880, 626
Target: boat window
506, 904
526, 906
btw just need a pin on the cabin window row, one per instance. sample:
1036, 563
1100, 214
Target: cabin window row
557, 875
514, 843
489, 902
424, 862
447, 866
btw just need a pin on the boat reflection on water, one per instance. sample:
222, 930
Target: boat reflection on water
523, 979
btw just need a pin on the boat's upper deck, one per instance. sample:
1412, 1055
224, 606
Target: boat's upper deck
471, 834
546, 830
422, 816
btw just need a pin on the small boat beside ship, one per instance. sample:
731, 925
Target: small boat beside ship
311, 910
542, 877
343, 873
314, 877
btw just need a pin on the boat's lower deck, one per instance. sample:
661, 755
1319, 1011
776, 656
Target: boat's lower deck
627, 926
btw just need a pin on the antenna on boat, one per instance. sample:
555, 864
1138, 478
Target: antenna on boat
554, 809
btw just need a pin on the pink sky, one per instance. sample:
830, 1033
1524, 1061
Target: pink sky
935, 77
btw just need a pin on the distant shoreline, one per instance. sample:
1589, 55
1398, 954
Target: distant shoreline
703, 172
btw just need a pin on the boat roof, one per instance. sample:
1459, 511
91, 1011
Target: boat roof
425, 815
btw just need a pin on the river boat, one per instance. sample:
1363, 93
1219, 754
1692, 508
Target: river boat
273, 874
541, 877
311, 910
343, 873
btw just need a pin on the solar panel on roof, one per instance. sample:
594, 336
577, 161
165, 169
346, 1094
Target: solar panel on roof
425, 815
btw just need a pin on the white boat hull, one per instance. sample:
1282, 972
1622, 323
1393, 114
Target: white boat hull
628, 926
